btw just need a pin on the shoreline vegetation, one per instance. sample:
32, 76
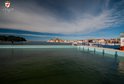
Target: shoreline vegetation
11, 38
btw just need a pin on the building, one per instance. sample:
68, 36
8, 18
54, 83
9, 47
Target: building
102, 41
122, 41
57, 40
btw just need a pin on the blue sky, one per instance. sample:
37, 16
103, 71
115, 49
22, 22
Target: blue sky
66, 19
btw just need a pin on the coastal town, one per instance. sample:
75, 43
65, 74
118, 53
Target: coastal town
100, 41
118, 42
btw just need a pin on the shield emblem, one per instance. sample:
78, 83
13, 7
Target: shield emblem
7, 4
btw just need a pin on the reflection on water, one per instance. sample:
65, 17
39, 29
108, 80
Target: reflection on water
121, 67
59, 66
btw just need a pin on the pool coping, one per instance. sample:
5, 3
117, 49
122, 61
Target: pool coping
37, 46
86, 48
102, 50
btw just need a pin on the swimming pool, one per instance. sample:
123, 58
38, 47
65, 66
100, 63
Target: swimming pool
63, 65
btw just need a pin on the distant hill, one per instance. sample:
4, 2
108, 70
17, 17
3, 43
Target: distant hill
11, 38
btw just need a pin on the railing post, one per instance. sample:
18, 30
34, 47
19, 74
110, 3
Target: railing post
103, 52
116, 53
88, 49
94, 50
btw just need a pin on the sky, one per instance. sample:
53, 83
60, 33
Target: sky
66, 19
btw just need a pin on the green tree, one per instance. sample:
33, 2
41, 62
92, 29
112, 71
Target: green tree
11, 38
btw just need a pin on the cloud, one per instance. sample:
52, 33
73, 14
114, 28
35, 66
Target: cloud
44, 20
31, 35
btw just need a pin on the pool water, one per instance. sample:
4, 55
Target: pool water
59, 66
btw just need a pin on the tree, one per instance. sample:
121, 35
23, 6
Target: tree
11, 38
